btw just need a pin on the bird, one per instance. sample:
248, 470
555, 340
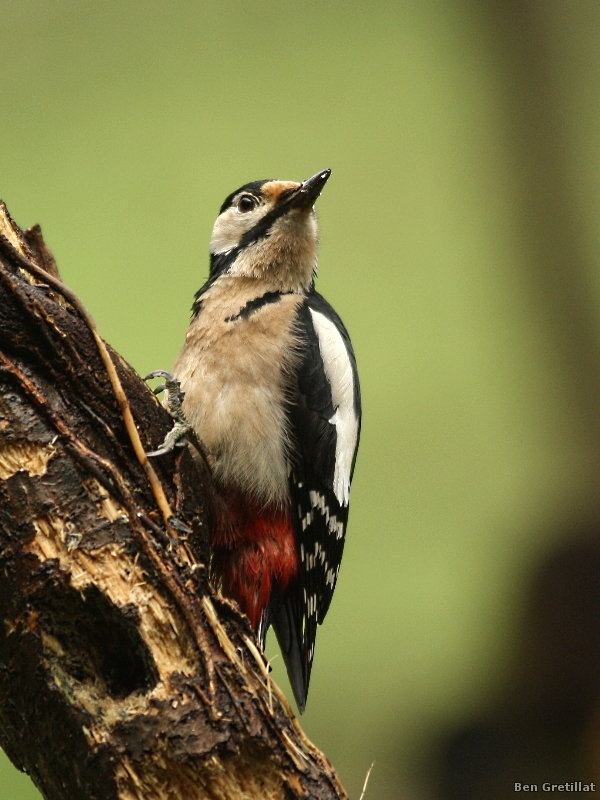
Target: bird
270, 387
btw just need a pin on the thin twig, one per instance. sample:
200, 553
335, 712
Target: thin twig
364, 789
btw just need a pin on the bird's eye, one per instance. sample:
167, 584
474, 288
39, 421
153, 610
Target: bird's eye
246, 203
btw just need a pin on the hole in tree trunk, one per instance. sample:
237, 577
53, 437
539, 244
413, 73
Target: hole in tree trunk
98, 641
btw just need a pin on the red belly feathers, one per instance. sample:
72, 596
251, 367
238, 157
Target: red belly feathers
253, 547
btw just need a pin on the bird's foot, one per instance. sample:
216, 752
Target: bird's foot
179, 434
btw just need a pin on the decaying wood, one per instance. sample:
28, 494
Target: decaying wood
122, 674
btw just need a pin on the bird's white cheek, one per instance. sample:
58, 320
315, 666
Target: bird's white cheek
226, 233
229, 229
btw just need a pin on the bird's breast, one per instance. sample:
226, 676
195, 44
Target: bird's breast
236, 371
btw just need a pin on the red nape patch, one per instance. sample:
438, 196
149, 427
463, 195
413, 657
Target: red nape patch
253, 547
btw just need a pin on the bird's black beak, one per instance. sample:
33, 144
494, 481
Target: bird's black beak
307, 194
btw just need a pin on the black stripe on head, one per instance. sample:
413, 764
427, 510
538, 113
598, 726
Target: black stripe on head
264, 225
252, 188
220, 262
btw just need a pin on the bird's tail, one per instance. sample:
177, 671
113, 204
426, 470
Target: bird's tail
284, 614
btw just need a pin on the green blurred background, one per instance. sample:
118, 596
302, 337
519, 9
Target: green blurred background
459, 242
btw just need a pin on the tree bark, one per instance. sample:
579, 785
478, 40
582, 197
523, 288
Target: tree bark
122, 673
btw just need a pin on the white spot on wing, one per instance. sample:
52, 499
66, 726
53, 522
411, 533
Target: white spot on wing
338, 370
317, 500
307, 520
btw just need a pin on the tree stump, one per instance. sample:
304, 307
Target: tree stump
122, 673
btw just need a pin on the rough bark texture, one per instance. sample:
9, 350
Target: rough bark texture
122, 674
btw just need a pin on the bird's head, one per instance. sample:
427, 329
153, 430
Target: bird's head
268, 230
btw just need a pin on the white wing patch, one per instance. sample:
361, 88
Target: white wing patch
338, 370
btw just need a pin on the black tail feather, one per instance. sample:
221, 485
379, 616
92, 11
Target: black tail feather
286, 618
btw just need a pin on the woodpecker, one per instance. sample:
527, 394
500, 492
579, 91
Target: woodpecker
271, 388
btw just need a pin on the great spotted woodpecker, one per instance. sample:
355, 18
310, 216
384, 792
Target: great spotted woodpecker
271, 389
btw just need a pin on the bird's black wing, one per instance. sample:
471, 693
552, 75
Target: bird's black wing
324, 419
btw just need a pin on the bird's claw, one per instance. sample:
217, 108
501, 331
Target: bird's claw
176, 437
179, 434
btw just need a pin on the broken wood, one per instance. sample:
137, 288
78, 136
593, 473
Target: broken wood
123, 675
